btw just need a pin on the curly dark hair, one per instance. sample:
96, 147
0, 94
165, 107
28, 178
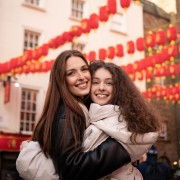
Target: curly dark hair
139, 114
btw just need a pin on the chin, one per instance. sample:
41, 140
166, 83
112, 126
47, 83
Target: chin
83, 93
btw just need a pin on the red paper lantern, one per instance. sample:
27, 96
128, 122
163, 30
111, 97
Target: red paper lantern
102, 54
178, 68
140, 44
164, 71
158, 58
76, 31
22, 61
47, 65
44, 49
85, 55
32, 68
160, 37
130, 71
6, 67
103, 14
43, 67
110, 52
149, 95
125, 3
157, 72
58, 41
150, 40
94, 21
172, 52
26, 69
52, 43
171, 33
37, 53
158, 94
164, 91
164, 55
150, 61
172, 70
28, 55
67, 36
140, 75
13, 63
119, 50
85, 25
130, 47
140, 65
112, 6
148, 74
92, 55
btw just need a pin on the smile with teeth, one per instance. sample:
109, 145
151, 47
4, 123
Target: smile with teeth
82, 85
102, 95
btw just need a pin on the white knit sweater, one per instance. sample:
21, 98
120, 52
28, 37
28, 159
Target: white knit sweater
104, 123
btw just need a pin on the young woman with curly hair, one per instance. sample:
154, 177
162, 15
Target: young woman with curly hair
119, 111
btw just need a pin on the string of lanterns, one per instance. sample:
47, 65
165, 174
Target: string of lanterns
138, 69
169, 94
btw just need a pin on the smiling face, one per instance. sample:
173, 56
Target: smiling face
102, 86
78, 78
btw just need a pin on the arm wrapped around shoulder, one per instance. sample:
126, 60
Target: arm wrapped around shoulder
71, 163
32, 164
106, 158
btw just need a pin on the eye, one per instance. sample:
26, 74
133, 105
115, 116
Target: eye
70, 73
95, 82
85, 68
110, 83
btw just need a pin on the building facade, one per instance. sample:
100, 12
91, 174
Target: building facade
29, 24
168, 145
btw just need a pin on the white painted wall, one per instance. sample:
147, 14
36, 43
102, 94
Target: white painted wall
55, 19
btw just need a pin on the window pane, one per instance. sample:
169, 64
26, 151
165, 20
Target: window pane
31, 39
77, 9
28, 110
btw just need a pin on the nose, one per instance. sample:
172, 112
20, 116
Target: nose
102, 86
80, 75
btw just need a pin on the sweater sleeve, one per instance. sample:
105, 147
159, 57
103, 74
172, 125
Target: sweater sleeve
78, 165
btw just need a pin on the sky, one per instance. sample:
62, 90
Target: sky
167, 5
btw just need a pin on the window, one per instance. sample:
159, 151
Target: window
159, 81
28, 110
163, 131
78, 46
36, 3
119, 23
77, 9
31, 39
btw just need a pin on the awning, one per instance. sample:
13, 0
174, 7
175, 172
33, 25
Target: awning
12, 142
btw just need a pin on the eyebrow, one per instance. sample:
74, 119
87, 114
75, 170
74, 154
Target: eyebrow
105, 79
75, 69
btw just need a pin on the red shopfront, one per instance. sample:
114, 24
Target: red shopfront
9, 150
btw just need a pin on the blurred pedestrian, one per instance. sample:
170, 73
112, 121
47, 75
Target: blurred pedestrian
151, 169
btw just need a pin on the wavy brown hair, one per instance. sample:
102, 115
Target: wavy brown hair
137, 112
58, 91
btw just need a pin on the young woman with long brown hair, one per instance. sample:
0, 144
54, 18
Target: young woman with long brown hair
61, 127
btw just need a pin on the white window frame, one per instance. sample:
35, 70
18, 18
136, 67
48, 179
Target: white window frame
159, 81
163, 131
77, 9
39, 4
78, 46
28, 110
31, 39
119, 23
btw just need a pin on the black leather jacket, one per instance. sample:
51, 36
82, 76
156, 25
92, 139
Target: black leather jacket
79, 165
